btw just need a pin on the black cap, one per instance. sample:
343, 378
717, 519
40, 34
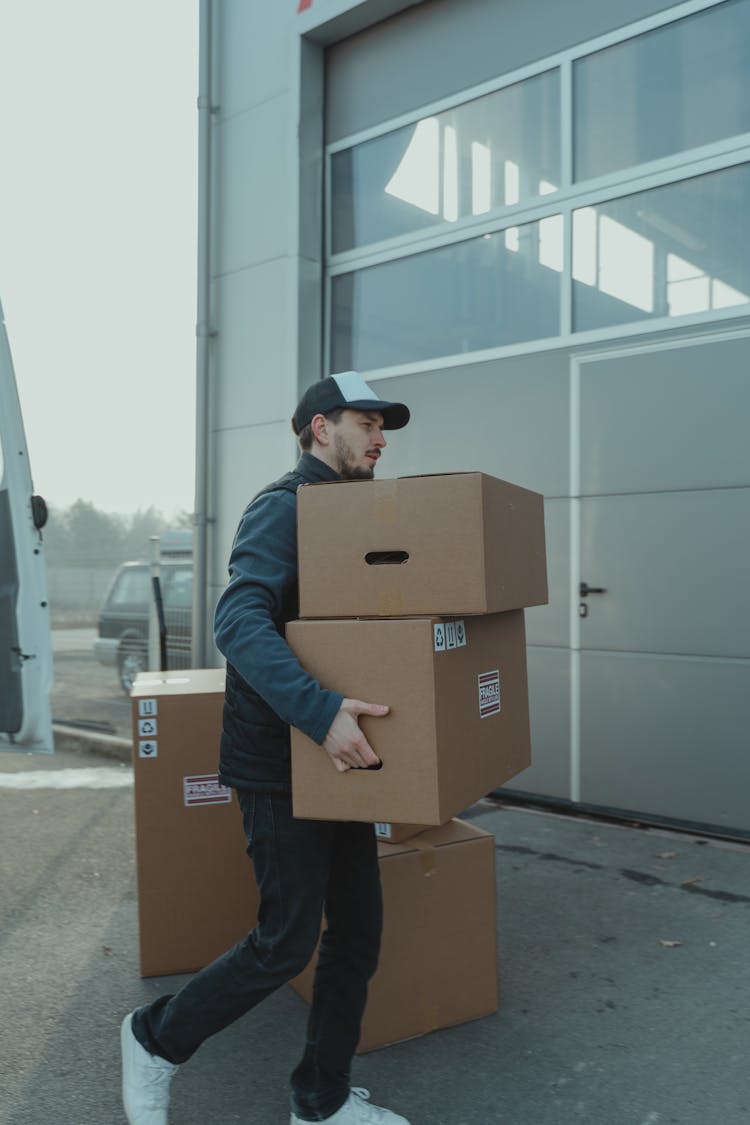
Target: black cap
349, 391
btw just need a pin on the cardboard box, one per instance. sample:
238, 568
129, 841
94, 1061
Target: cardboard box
458, 725
462, 543
196, 889
438, 962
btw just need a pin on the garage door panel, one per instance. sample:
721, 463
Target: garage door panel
380, 73
549, 705
667, 737
550, 624
501, 417
667, 419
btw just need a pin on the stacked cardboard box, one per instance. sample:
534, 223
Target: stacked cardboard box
413, 596
412, 593
458, 724
443, 644
460, 543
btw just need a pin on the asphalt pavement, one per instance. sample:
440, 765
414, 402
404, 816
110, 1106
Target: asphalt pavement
624, 963
85, 694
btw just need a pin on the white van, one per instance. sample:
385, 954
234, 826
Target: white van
25, 636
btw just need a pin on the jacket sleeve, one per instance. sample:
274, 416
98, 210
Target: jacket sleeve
262, 585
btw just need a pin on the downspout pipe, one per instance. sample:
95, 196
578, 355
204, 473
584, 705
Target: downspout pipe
203, 412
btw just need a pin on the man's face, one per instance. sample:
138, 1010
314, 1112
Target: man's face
356, 442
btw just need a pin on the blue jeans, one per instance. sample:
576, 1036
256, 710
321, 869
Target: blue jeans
302, 868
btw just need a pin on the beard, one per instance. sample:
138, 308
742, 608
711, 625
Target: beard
347, 463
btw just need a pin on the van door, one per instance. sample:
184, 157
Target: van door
25, 638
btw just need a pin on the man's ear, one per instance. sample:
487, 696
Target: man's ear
319, 426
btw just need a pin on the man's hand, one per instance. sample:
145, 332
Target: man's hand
345, 742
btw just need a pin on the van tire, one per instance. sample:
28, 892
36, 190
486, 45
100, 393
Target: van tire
131, 659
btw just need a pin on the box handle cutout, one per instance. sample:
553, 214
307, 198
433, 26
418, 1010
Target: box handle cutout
383, 558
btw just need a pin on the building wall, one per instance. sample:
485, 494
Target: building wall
617, 714
265, 261
253, 261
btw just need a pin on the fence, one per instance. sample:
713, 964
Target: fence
76, 593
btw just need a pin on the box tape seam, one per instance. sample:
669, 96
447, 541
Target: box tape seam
427, 857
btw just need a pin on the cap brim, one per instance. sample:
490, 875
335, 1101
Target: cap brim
395, 414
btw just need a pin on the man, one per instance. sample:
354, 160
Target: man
302, 867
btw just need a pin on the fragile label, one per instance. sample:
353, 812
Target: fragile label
205, 789
148, 748
147, 707
489, 693
439, 633
147, 728
460, 634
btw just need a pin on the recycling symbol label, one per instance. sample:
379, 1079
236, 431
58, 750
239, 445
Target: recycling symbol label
449, 635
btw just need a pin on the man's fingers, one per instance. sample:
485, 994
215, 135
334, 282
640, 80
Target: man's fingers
345, 741
359, 707
357, 756
360, 753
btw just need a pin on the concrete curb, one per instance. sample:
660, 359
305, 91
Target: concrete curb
76, 740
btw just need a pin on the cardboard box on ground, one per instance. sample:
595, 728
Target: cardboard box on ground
438, 962
196, 891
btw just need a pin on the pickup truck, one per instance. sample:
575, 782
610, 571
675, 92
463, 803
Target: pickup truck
123, 630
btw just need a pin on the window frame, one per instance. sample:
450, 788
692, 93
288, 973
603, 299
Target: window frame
570, 196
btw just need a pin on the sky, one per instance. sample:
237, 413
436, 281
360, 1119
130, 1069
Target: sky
98, 221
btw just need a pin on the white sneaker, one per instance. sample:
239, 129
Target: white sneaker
145, 1080
359, 1110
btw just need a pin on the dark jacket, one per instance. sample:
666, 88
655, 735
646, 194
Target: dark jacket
267, 689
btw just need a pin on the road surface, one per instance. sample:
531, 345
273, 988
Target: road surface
85, 693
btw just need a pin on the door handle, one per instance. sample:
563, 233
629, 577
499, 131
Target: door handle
584, 590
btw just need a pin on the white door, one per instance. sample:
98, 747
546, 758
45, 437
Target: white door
660, 625
25, 639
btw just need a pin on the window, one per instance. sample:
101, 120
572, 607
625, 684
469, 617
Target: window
178, 593
484, 292
677, 249
567, 259
466, 161
132, 587
672, 89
